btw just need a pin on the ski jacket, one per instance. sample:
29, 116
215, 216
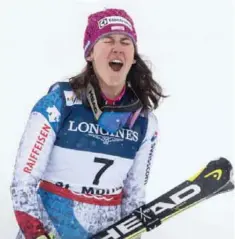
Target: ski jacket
71, 178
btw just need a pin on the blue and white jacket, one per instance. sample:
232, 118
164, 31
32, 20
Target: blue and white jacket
73, 179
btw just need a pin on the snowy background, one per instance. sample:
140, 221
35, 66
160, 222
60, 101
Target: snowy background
190, 45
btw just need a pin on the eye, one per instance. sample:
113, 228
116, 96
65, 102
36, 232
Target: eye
126, 42
107, 40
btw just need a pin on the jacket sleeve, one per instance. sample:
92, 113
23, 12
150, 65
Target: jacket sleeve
31, 160
137, 178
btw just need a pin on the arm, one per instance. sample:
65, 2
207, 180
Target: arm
136, 181
32, 157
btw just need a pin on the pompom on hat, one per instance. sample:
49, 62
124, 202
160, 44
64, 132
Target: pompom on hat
105, 22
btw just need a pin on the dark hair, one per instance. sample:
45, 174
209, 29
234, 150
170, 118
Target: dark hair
140, 78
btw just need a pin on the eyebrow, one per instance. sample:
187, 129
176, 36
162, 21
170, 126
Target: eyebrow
122, 39
125, 38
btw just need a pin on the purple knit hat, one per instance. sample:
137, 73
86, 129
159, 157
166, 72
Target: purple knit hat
105, 22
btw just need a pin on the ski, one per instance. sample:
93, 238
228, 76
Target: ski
215, 178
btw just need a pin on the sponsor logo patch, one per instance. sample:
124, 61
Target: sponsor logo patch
114, 20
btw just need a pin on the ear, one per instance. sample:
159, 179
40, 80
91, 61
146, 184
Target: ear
90, 56
134, 61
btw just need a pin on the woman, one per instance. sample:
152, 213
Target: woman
85, 156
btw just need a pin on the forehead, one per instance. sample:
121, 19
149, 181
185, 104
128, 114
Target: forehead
117, 36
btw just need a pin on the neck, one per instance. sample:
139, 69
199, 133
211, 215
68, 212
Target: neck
113, 93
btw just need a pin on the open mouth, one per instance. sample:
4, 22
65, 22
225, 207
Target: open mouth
116, 65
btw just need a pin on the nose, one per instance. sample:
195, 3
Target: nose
117, 51
117, 48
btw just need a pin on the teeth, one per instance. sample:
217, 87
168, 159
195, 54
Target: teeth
117, 61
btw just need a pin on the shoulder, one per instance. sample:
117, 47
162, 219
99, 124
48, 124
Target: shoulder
152, 120
59, 95
59, 85
150, 117
152, 124
65, 91
52, 106
53, 98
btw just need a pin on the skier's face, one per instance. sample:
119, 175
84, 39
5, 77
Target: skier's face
112, 57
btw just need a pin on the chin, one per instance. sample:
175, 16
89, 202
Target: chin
114, 79
115, 82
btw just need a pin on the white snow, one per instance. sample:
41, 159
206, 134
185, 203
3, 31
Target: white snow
190, 45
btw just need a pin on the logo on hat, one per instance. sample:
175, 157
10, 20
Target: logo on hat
102, 23
114, 20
